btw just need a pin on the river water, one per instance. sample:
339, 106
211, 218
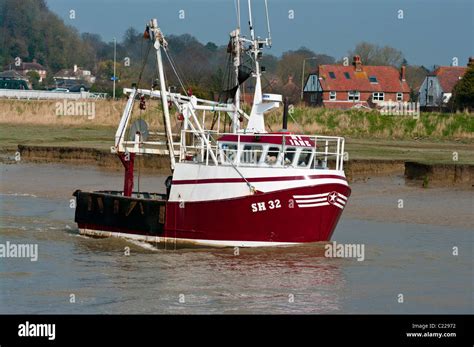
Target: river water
409, 253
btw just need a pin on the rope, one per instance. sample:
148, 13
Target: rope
143, 66
251, 187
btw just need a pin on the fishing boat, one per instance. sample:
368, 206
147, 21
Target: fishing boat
247, 187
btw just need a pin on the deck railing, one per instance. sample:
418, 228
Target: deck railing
326, 152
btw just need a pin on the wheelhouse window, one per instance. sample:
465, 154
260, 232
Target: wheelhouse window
332, 95
353, 95
399, 96
304, 159
228, 152
289, 156
251, 154
272, 155
378, 96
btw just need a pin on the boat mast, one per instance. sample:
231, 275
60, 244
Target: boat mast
236, 45
256, 122
160, 41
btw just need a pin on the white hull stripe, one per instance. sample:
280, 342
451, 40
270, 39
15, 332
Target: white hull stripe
171, 241
323, 199
312, 200
310, 196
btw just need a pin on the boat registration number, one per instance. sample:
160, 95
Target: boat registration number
265, 205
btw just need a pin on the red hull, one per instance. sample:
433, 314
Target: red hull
296, 215
234, 220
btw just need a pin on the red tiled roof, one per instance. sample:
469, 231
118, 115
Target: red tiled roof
28, 66
388, 79
33, 66
448, 76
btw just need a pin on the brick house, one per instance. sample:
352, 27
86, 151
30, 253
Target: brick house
437, 87
76, 76
24, 68
356, 85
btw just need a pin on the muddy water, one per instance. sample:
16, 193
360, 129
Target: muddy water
408, 251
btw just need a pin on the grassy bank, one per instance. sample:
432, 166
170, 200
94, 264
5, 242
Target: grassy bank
363, 124
433, 138
352, 123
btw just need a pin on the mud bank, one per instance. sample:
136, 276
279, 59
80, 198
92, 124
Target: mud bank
426, 175
438, 175
89, 156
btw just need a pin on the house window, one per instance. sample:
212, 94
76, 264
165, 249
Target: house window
332, 95
332, 74
378, 96
430, 99
353, 95
399, 96
312, 98
346, 74
373, 79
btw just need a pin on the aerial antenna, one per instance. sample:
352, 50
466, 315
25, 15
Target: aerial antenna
237, 4
269, 40
252, 33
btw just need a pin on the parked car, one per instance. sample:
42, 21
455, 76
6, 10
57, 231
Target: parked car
79, 88
60, 90
14, 84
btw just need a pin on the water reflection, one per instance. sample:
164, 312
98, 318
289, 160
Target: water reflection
279, 280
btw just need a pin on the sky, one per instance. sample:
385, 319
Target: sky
428, 32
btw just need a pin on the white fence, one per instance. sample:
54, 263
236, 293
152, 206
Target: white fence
48, 95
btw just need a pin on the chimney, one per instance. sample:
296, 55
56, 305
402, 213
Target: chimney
75, 68
357, 63
470, 62
402, 72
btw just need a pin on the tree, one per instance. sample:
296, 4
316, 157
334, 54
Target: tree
28, 30
463, 92
415, 75
291, 64
34, 78
372, 54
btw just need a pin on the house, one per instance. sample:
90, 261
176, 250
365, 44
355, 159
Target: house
24, 68
69, 77
9, 75
291, 90
356, 85
12, 79
437, 88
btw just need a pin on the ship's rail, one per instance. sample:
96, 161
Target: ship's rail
262, 150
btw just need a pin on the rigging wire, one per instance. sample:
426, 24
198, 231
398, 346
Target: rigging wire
173, 66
